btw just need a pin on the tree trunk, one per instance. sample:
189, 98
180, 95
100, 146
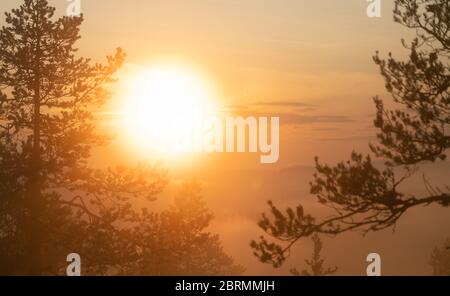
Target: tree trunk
35, 192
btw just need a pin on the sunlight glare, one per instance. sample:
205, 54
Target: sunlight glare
164, 106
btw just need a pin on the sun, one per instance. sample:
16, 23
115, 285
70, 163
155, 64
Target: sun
165, 106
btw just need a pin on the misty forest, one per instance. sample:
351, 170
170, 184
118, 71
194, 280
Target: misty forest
54, 200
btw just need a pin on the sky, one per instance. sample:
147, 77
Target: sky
315, 53
309, 62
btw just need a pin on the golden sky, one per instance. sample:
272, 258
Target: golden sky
307, 61
264, 53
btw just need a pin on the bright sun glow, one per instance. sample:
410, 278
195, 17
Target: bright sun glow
164, 106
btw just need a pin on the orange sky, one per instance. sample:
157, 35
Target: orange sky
307, 61
313, 53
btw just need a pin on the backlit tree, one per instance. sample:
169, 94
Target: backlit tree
365, 197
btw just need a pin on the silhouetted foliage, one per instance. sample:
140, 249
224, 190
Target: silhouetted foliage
364, 197
316, 262
176, 241
52, 202
440, 259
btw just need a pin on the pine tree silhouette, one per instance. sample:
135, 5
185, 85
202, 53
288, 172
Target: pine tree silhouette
364, 197
52, 202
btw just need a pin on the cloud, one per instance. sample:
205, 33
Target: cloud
349, 139
282, 104
298, 119
287, 117
271, 104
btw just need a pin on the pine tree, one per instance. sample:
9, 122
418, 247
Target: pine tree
316, 263
47, 127
176, 241
440, 259
52, 202
363, 196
